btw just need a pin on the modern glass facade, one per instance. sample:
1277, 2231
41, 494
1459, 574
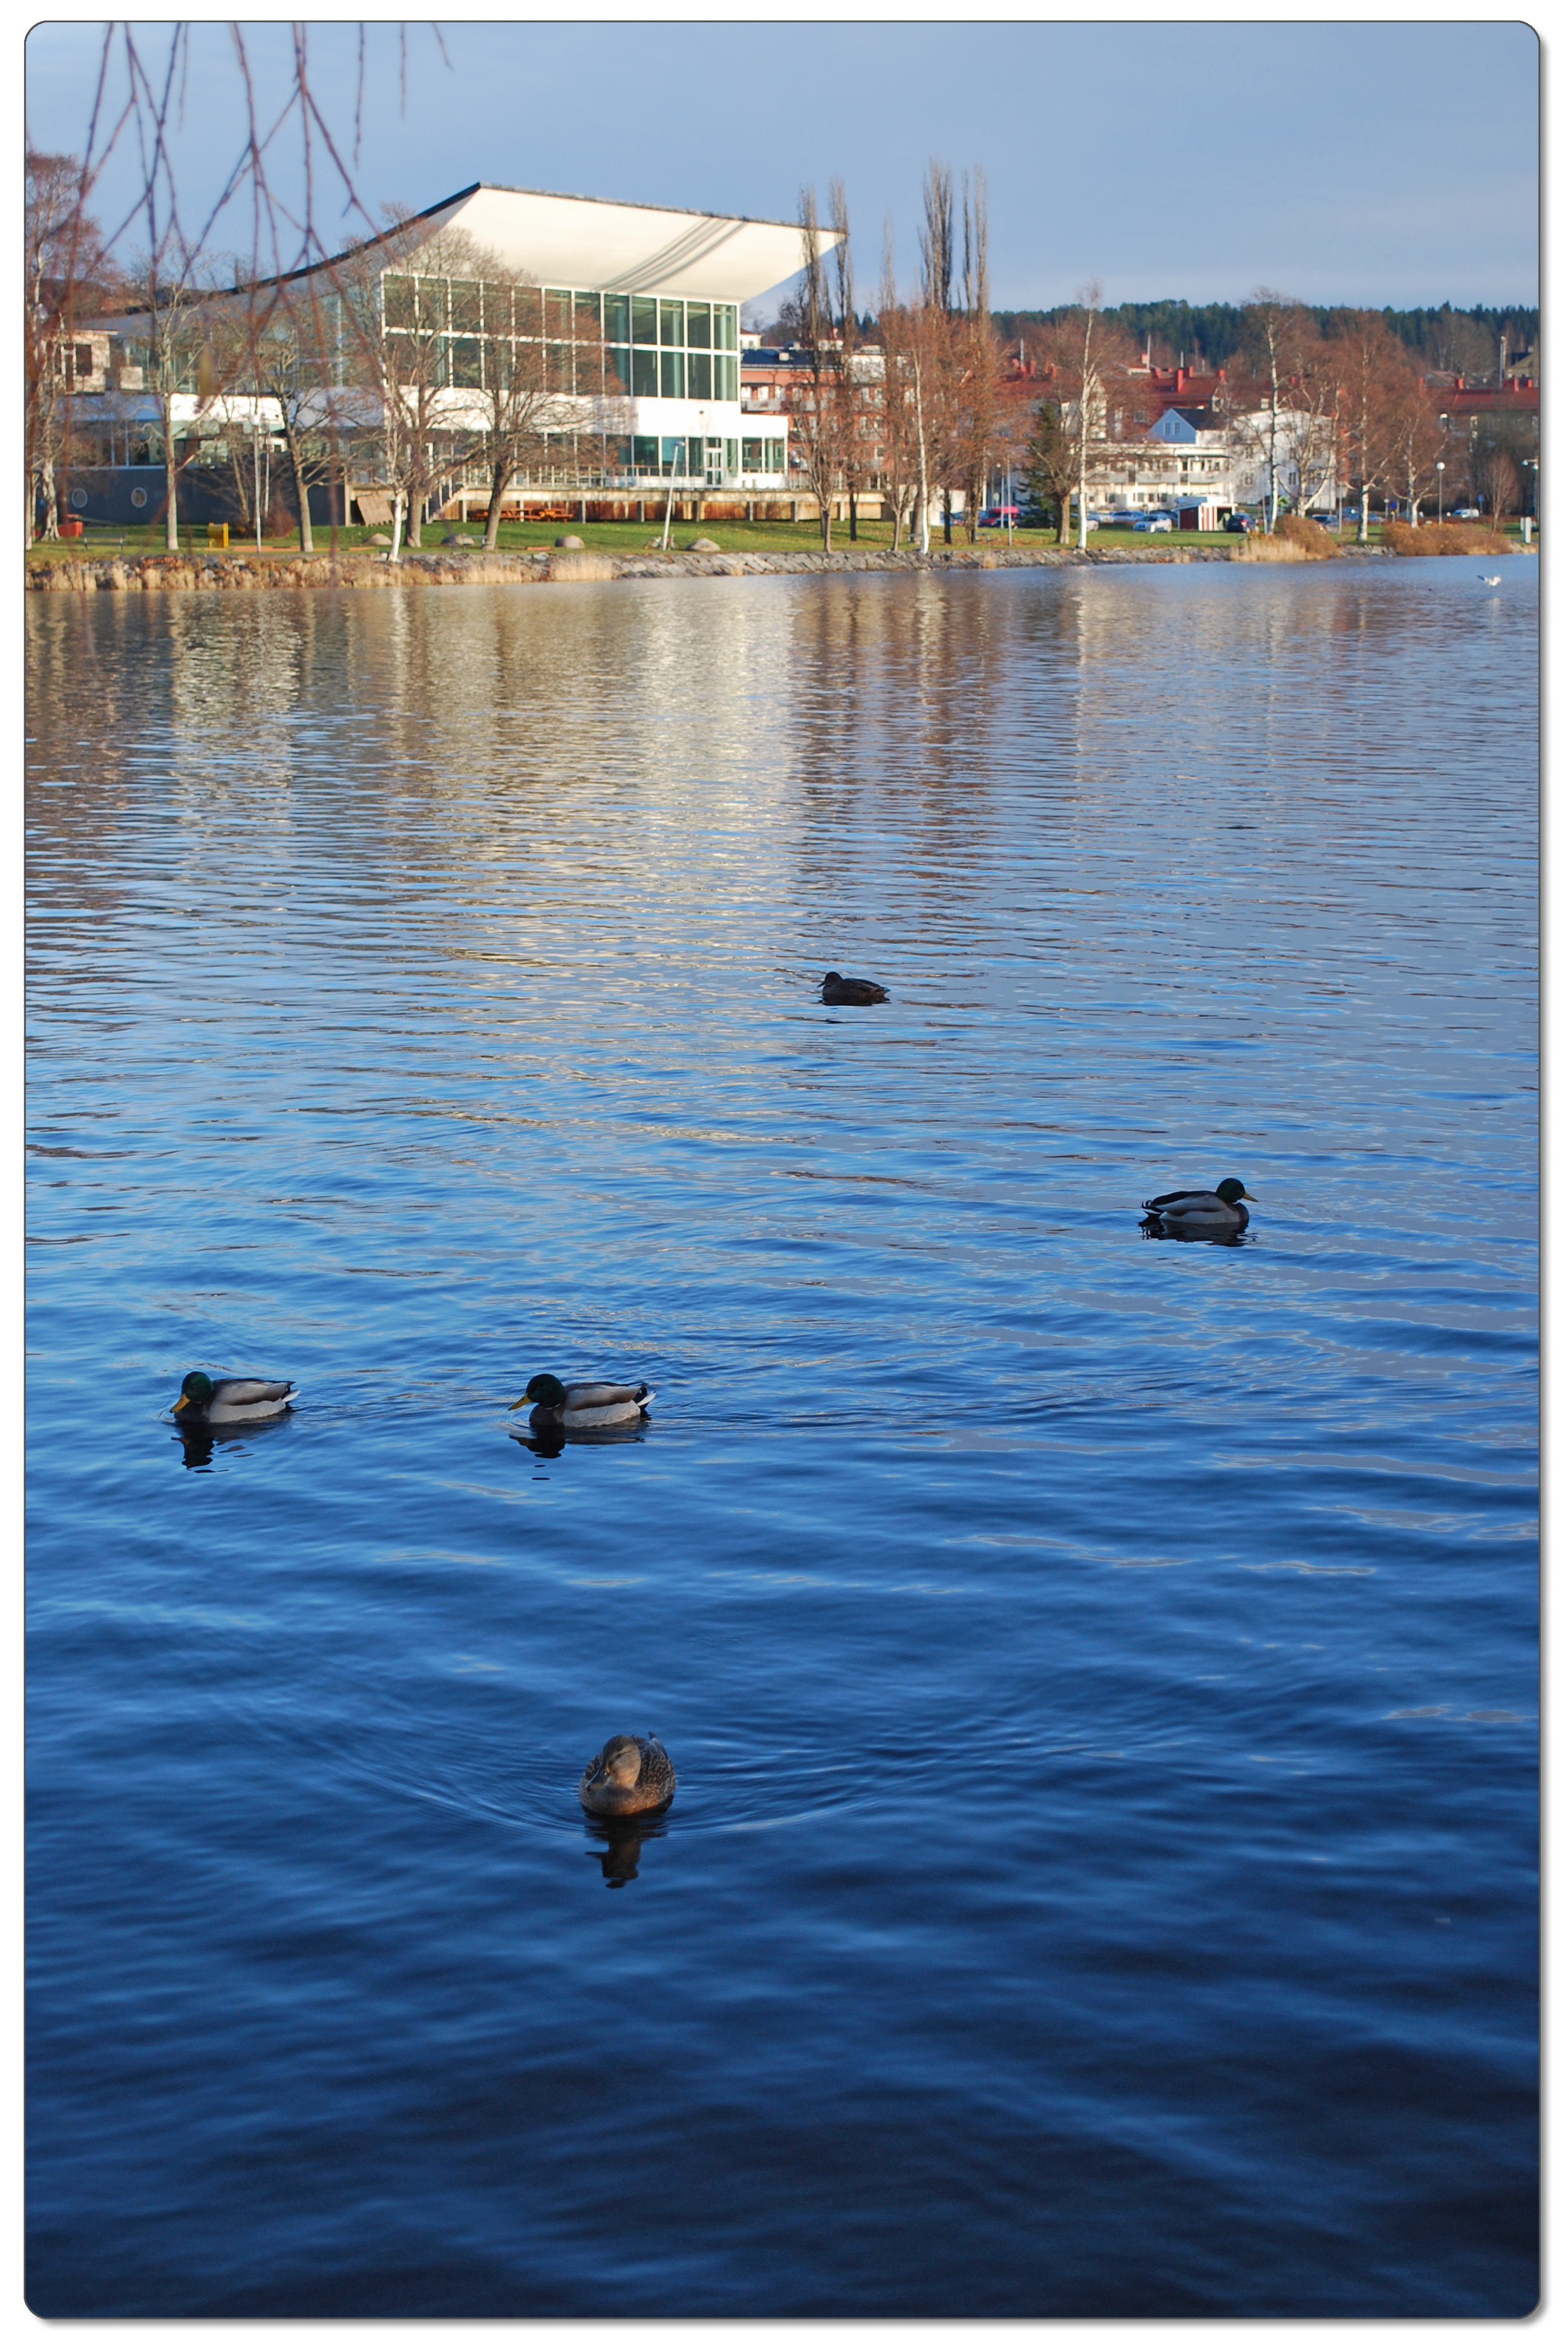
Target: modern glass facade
597, 343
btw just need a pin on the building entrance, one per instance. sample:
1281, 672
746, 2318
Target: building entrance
713, 464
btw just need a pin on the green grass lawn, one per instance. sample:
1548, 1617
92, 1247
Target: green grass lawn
102, 540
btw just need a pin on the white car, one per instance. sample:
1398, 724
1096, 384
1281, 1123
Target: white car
1466, 512
1148, 522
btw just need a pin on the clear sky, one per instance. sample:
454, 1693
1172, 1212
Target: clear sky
1363, 163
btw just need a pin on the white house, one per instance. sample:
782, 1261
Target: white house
1183, 458
1304, 467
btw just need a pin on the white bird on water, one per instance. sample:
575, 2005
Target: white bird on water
1489, 581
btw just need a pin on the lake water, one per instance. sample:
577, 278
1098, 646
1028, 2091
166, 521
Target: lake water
1101, 1673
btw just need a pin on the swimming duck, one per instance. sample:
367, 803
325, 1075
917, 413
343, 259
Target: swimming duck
1203, 1210
850, 991
631, 1775
230, 1399
581, 1407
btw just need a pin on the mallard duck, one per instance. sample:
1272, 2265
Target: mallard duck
850, 991
631, 1775
230, 1399
582, 1407
1202, 1209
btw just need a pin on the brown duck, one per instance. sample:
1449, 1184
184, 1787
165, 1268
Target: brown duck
850, 991
631, 1775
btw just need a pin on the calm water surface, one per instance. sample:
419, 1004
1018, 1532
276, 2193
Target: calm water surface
1101, 1673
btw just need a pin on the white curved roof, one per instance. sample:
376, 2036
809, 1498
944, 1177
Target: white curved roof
596, 245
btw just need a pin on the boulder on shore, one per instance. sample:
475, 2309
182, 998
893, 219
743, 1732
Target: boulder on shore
572, 544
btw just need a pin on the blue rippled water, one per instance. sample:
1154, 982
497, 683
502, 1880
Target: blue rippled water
1101, 1672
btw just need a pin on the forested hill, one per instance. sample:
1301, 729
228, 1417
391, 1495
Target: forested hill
1210, 332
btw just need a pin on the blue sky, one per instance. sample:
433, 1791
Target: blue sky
1365, 163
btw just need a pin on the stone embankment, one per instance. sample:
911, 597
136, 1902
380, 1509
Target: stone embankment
227, 573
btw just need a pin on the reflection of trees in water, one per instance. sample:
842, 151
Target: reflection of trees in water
931, 730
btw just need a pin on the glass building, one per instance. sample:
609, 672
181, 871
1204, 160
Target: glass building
636, 310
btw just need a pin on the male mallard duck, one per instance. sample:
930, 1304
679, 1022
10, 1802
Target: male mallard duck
1201, 1210
581, 1407
230, 1399
850, 991
630, 1775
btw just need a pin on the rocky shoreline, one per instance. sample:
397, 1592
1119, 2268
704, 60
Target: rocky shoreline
236, 573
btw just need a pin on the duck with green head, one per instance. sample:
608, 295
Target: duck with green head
581, 1407
230, 1399
1201, 1211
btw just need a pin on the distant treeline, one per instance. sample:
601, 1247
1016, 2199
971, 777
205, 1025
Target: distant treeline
1210, 333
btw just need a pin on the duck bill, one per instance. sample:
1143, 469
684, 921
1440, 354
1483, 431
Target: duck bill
181, 1402
517, 1404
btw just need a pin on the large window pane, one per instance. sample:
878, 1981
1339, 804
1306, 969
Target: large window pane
672, 374
468, 311
587, 317
397, 295
729, 378
559, 367
617, 318
525, 312
558, 316
671, 326
644, 452
645, 374
618, 367
673, 454
699, 325
644, 320
751, 454
725, 336
463, 356
700, 376
732, 455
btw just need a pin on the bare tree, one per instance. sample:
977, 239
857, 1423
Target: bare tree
1270, 329
852, 443
1497, 480
66, 277
816, 408
896, 410
1417, 441
1370, 370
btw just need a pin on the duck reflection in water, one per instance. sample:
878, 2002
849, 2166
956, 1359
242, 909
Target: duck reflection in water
1173, 1233
198, 1441
620, 1842
546, 1436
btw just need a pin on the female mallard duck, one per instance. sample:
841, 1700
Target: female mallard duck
1201, 1211
631, 1775
581, 1407
230, 1399
850, 991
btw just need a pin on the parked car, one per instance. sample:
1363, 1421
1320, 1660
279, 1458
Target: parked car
1324, 520
999, 515
1466, 512
1239, 523
1148, 522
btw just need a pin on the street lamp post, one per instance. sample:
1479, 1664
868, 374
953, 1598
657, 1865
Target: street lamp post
1439, 493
